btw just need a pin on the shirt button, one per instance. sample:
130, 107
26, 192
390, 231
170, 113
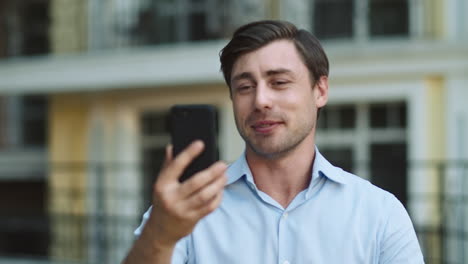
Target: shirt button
286, 262
285, 215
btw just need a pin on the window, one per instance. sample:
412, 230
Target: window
139, 22
368, 139
338, 117
24, 27
24, 122
24, 225
154, 138
23, 138
34, 121
341, 156
333, 18
122, 23
388, 115
388, 17
360, 19
3, 123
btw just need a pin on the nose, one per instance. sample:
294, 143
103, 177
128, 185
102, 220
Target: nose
263, 97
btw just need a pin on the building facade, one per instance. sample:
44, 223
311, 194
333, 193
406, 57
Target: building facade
83, 111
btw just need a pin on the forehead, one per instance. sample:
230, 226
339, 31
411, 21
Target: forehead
277, 54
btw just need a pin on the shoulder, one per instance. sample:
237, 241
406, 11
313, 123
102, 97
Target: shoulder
364, 186
361, 193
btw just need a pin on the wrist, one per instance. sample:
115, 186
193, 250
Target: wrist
160, 239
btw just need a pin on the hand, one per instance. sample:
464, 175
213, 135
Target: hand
177, 207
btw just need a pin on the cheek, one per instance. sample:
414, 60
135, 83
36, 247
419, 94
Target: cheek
302, 104
239, 111
241, 105
292, 100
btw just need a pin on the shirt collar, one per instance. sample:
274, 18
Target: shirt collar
238, 169
321, 168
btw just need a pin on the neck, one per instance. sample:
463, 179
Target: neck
283, 177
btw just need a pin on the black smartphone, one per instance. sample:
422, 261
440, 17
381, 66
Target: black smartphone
189, 123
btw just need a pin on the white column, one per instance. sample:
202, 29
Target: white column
95, 182
231, 144
416, 19
457, 154
124, 182
298, 12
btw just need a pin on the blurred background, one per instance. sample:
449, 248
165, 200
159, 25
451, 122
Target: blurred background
85, 87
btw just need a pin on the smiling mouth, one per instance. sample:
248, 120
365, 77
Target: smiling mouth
265, 127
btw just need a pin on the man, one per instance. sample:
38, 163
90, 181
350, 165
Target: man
283, 202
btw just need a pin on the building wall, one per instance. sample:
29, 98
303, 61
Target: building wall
102, 133
68, 32
91, 130
69, 118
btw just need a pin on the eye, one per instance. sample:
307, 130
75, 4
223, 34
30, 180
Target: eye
279, 83
243, 88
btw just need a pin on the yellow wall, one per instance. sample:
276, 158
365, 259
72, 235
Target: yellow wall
69, 27
436, 118
434, 24
67, 180
72, 117
436, 147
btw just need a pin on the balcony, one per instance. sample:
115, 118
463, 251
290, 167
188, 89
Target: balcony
40, 27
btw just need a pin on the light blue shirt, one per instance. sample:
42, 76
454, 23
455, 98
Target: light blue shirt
339, 218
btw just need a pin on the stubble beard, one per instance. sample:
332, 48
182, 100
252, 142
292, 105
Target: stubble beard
270, 147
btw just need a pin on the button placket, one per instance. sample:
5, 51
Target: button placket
283, 250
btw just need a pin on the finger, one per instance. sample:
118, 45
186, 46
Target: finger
168, 157
207, 208
179, 163
206, 194
201, 179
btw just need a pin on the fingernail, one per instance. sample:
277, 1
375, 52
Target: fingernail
198, 143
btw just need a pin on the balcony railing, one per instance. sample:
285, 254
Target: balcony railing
90, 211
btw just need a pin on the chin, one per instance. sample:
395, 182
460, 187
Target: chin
269, 152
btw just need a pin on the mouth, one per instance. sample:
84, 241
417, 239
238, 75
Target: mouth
265, 126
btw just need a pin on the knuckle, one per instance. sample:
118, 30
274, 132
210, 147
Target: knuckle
159, 189
181, 160
202, 198
222, 181
209, 208
180, 216
165, 203
163, 197
212, 206
194, 183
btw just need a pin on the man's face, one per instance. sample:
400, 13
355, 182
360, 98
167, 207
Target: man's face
275, 105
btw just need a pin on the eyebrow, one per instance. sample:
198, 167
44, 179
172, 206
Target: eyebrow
279, 71
242, 75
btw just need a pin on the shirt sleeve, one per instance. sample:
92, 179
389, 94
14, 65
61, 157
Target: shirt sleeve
180, 255
399, 243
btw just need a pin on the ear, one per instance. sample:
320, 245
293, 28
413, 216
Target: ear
321, 91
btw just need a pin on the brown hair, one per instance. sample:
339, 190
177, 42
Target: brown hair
253, 36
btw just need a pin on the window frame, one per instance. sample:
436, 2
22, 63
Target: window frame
361, 22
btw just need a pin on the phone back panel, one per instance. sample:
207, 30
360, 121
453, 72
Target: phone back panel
189, 123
